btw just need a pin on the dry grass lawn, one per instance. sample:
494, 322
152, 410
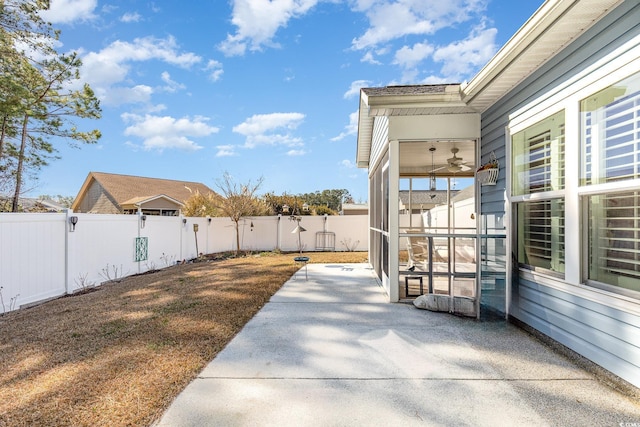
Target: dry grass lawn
120, 354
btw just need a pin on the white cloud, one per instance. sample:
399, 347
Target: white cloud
347, 164
105, 69
257, 22
296, 153
393, 19
350, 129
171, 86
410, 57
463, 57
115, 96
270, 129
369, 58
131, 17
215, 70
354, 89
226, 151
67, 11
162, 132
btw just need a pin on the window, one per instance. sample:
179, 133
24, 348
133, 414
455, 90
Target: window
538, 167
610, 140
538, 157
610, 122
614, 239
541, 234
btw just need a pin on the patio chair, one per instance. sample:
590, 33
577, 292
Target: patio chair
417, 248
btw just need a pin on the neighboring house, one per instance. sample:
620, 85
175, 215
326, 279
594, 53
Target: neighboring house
31, 205
421, 200
354, 209
108, 193
558, 232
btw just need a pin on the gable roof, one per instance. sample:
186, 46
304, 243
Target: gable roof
127, 188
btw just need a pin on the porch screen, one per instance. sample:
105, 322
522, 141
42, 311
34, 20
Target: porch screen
610, 139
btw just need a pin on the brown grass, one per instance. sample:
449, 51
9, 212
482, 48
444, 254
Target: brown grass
120, 354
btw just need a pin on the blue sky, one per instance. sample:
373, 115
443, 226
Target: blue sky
257, 88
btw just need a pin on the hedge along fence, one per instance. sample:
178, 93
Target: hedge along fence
43, 256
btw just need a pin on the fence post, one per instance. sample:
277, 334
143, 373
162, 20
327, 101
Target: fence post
67, 258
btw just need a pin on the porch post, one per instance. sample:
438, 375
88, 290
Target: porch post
394, 220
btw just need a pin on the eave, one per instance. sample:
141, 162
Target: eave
550, 29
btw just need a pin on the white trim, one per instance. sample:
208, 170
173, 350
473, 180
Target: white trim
612, 68
508, 224
394, 220
532, 197
572, 237
610, 187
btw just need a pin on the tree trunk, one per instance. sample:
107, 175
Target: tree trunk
3, 132
237, 238
23, 145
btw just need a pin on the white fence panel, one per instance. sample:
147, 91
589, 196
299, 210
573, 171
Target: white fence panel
102, 248
32, 258
352, 232
163, 235
42, 256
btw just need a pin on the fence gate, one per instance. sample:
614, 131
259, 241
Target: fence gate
325, 241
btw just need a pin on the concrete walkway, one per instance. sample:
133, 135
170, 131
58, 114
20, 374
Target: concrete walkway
329, 351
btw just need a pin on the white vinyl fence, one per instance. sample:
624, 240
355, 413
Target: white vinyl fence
44, 256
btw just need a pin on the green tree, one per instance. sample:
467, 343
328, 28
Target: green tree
239, 201
49, 109
38, 100
332, 199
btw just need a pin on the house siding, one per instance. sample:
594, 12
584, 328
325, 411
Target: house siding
97, 199
380, 139
581, 318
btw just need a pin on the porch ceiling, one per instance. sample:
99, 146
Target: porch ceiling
415, 158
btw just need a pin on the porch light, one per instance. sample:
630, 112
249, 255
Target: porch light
432, 175
73, 220
285, 208
305, 207
143, 220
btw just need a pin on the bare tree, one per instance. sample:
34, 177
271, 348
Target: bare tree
240, 201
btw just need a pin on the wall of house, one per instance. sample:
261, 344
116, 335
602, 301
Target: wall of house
600, 325
41, 258
379, 140
96, 199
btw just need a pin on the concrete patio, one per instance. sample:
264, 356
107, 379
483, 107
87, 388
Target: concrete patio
329, 351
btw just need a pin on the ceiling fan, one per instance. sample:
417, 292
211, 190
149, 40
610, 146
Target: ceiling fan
455, 163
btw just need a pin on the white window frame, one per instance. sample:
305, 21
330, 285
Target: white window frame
614, 67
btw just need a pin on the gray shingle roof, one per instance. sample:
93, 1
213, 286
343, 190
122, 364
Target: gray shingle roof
406, 90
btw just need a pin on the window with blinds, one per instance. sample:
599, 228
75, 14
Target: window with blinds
541, 235
614, 239
538, 159
610, 134
610, 142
